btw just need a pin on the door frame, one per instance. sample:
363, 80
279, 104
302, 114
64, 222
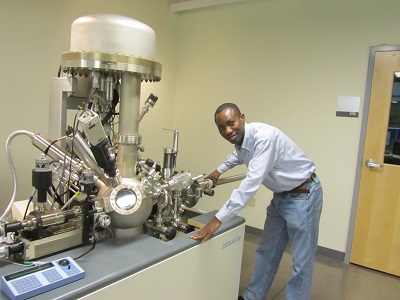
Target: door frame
360, 162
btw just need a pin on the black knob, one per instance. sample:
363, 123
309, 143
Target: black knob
149, 162
63, 262
170, 233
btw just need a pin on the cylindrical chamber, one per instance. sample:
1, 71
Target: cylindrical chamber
50, 219
169, 162
53, 219
128, 124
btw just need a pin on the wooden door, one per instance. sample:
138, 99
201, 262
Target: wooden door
376, 238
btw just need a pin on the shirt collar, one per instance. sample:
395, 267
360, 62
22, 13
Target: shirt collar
246, 138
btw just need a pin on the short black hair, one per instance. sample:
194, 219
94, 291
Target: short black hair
225, 106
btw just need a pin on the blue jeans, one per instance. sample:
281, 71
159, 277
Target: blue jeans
292, 218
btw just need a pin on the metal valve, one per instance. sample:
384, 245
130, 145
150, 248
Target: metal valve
103, 220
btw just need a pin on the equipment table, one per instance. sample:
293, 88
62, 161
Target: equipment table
148, 268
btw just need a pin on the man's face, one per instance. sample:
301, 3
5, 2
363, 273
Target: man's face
231, 126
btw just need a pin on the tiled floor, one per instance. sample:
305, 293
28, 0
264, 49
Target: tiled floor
333, 279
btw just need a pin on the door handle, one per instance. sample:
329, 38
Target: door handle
372, 164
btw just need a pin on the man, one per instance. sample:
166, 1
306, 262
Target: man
275, 161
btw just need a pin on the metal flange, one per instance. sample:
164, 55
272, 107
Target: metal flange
127, 139
82, 63
126, 199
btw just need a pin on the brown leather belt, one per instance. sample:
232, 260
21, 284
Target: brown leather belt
301, 190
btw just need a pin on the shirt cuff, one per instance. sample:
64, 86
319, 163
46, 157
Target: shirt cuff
224, 215
223, 168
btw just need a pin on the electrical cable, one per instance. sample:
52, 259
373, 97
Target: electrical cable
110, 231
29, 202
26, 263
94, 243
52, 197
57, 197
70, 200
70, 189
111, 112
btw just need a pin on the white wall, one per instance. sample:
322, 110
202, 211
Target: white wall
33, 36
284, 63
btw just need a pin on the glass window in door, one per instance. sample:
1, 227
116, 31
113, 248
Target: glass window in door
392, 151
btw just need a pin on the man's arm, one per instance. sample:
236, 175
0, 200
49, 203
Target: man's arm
205, 233
214, 177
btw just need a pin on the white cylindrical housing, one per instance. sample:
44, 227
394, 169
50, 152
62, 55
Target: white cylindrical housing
113, 34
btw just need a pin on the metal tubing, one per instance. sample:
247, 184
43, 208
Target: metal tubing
56, 152
128, 123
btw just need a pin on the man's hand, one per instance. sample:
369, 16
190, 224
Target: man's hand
214, 177
205, 233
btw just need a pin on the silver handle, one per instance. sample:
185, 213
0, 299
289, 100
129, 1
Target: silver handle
230, 179
372, 164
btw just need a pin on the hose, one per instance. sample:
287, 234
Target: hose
12, 166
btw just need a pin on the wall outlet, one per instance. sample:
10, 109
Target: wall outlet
252, 202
